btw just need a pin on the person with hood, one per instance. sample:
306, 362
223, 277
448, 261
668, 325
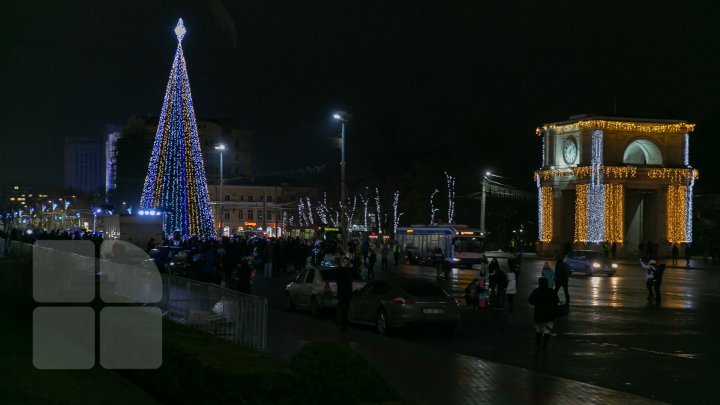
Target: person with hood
549, 274
544, 300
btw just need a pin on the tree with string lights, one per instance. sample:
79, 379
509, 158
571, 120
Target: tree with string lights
175, 184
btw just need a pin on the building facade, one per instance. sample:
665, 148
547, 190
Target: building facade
84, 159
254, 207
616, 180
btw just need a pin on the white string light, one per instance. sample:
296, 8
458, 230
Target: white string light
433, 210
311, 220
366, 201
396, 217
596, 192
377, 209
686, 150
451, 196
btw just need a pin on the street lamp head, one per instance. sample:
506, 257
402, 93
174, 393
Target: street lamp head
220, 147
337, 116
341, 116
488, 173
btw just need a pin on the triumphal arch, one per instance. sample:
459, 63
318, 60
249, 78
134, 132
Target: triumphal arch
621, 180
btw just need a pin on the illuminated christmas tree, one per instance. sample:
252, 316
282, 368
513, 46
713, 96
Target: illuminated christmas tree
175, 184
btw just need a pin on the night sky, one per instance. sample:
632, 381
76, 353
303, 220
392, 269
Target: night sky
431, 85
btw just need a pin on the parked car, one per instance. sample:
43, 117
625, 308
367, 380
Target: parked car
315, 288
389, 304
590, 262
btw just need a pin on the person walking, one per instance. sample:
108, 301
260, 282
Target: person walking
439, 260
544, 300
396, 252
649, 277
501, 284
511, 290
493, 268
674, 254
372, 258
344, 291
658, 279
549, 274
562, 275
613, 250
687, 255
384, 257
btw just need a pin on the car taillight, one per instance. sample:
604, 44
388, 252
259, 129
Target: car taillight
401, 301
328, 290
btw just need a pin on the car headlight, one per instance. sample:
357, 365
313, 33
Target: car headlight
596, 265
456, 259
614, 265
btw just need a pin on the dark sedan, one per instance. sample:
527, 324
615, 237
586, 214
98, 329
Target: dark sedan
389, 304
589, 262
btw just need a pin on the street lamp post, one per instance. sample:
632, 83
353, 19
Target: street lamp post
221, 219
482, 203
342, 117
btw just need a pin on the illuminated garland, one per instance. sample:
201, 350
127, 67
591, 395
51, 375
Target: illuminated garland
624, 126
365, 199
545, 211
686, 150
677, 213
583, 172
377, 209
689, 211
433, 210
581, 198
596, 192
674, 175
396, 217
451, 196
614, 213
311, 220
176, 182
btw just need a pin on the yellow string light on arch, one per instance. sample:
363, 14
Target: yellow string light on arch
624, 126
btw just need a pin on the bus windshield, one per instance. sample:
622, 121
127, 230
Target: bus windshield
468, 245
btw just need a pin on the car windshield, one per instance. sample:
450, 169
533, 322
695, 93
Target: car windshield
331, 274
468, 245
594, 255
422, 289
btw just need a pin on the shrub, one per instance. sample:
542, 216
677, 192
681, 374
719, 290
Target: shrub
333, 373
199, 368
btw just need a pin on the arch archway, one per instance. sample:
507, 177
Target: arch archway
642, 152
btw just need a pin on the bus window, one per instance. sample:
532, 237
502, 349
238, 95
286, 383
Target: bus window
468, 245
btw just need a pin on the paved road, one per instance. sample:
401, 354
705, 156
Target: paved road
613, 338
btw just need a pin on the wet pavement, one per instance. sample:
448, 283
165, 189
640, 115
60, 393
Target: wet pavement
613, 338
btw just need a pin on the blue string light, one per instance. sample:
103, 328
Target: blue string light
175, 184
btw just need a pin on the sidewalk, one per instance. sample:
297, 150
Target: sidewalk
429, 375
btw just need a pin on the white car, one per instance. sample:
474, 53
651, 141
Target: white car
315, 288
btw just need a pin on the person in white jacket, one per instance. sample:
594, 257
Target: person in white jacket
649, 277
511, 290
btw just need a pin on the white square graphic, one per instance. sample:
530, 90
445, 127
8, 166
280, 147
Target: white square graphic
64, 271
64, 337
131, 337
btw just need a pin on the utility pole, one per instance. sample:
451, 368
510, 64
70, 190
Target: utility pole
482, 204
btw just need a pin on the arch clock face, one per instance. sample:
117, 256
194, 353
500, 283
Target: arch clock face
569, 151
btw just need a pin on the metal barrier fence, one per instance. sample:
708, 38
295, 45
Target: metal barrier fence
228, 314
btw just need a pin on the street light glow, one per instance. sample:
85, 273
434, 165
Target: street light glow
488, 174
220, 147
337, 116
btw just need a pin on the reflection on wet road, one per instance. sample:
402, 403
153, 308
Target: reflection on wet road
613, 337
